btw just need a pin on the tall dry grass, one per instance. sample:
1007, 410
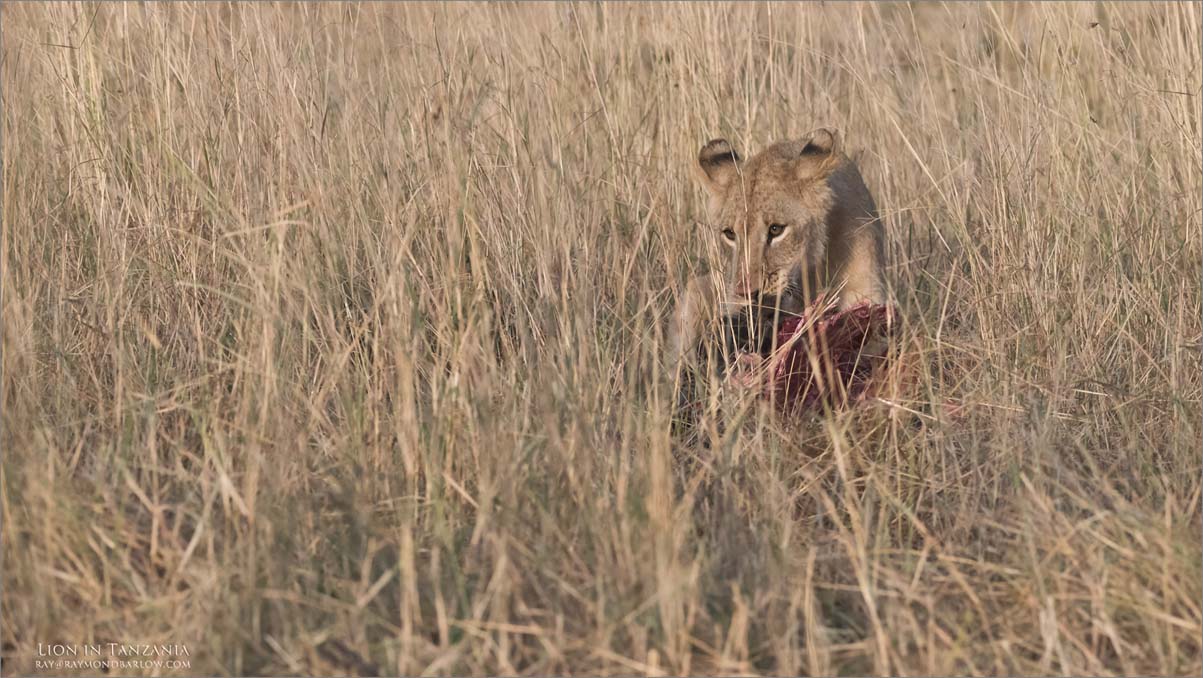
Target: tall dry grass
332, 340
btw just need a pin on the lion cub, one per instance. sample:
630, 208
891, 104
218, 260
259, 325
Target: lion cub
796, 220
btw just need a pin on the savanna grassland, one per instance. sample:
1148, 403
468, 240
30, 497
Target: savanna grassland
333, 341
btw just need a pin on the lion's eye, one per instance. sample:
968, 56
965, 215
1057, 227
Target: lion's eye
776, 230
729, 234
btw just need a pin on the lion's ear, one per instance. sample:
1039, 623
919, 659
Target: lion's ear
823, 141
818, 154
717, 164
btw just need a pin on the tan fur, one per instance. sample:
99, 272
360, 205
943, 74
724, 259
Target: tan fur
832, 240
